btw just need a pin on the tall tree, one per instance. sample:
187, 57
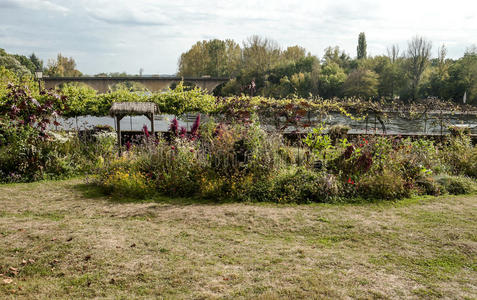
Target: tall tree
463, 77
38, 63
63, 67
418, 54
214, 57
439, 75
361, 49
260, 54
334, 55
294, 53
393, 53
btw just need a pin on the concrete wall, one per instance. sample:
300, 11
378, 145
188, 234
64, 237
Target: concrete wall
155, 84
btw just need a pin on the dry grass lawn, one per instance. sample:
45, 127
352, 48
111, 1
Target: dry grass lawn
64, 240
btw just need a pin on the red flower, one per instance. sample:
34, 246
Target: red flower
173, 148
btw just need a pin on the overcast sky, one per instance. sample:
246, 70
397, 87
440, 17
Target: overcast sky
126, 35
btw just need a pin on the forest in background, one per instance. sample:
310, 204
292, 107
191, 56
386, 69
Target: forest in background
261, 67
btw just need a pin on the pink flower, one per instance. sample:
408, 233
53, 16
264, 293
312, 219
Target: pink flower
174, 127
195, 127
183, 132
146, 132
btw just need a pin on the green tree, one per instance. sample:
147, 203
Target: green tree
463, 77
26, 62
439, 75
38, 63
335, 55
361, 48
293, 54
418, 54
63, 67
331, 80
361, 83
215, 58
10, 63
260, 54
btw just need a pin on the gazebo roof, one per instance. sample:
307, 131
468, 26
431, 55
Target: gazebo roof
133, 108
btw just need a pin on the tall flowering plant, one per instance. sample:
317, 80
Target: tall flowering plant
24, 111
180, 131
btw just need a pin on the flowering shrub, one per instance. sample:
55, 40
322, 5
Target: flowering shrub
29, 151
123, 179
234, 158
243, 162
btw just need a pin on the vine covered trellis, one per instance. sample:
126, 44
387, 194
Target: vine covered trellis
283, 114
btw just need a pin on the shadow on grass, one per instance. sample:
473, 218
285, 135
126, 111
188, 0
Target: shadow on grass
92, 191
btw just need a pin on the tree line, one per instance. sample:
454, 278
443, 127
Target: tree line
23, 65
260, 66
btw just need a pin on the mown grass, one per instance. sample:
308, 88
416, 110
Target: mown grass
65, 240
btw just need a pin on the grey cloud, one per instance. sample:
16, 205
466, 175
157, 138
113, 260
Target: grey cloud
126, 20
9, 4
123, 35
34, 5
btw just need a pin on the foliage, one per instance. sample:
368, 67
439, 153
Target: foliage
386, 185
332, 78
361, 48
241, 162
22, 111
29, 151
418, 54
457, 185
361, 83
215, 58
62, 67
20, 64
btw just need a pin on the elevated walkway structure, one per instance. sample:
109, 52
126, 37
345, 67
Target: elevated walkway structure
152, 83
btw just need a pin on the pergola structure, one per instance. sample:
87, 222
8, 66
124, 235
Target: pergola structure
121, 109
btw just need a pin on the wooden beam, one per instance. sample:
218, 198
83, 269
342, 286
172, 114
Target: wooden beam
118, 127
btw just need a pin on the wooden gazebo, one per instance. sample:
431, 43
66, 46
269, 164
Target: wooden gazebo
121, 109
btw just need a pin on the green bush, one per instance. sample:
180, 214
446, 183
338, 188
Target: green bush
122, 179
460, 156
387, 186
457, 185
305, 186
429, 186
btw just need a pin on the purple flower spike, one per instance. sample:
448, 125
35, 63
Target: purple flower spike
174, 127
146, 132
195, 127
183, 132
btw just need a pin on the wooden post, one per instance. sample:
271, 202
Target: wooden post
425, 123
152, 126
366, 124
118, 126
375, 124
